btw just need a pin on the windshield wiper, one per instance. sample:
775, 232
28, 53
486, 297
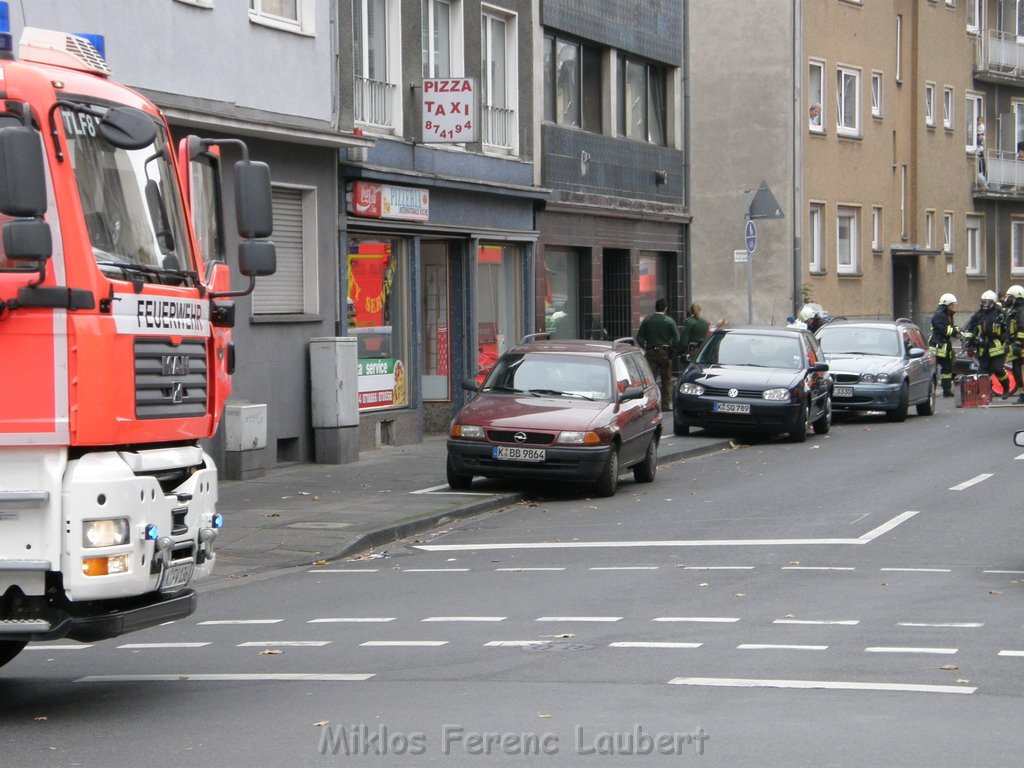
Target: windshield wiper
145, 269
506, 388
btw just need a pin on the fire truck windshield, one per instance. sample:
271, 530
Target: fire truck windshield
130, 201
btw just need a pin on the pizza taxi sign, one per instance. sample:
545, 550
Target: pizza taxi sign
449, 110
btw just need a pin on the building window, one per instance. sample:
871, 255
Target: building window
903, 202
846, 241
929, 226
947, 108
378, 318
975, 113
816, 95
642, 100
876, 94
293, 288
848, 101
560, 269
1017, 247
876, 229
498, 288
815, 241
899, 48
974, 16
973, 245
947, 232
376, 46
1018, 126
437, 38
929, 105
572, 84
499, 93
290, 15
1020, 20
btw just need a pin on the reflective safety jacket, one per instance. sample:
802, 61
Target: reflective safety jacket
1015, 328
943, 331
988, 330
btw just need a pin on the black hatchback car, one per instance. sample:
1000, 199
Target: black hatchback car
756, 379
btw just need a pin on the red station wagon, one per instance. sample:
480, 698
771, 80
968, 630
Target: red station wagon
568, 410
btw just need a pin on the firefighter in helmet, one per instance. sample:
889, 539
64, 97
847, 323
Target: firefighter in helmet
1013, 308
986, 332
813, 316
944, 330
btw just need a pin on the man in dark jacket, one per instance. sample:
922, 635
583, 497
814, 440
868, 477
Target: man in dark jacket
987, 331
944, 330
659, 335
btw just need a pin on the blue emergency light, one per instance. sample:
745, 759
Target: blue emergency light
6, 40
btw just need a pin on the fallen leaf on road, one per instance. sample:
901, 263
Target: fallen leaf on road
321, 723
883, 584
949, 667
273, 514
303, 493
702, 584
794, 562
790, 615
320, 562
271, 652
316, 498
543, 716
739, 594
994, 592
962, 680
42, 717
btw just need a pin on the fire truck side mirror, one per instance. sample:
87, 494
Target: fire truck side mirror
257, 258
128, 128
22, 175
27, 240
253, 211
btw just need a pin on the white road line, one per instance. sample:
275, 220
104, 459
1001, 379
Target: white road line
343, 570
239, 621
898, 649
640, 644
445, 490
774, 647
624, 568
973, 481
404, 643
918, 570
826, 684
1010, 572
864, 539
580, 618
1019, 458
363, 620
841, 622
951, 624
75, 647
515, 643
465, 618
818, 568
699, 619
516, 570
435, 570
1011, 653
140, 646
203, 678
284, 644
716, 567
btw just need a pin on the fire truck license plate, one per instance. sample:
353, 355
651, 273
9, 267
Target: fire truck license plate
175, 577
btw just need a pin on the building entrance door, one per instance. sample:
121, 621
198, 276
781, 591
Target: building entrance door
904, 287
616, 293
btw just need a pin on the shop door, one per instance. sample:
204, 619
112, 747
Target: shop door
904, 287
616, 293
435, 379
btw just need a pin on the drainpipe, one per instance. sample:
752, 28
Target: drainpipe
797, 206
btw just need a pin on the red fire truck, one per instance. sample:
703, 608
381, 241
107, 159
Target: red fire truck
115, 340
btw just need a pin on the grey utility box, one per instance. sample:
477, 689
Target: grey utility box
334, 380
245, 440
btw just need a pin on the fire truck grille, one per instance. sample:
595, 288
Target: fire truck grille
170, 381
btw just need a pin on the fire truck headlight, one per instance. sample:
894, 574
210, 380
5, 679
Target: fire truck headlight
105, 533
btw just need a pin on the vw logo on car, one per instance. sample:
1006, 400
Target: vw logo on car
734, 393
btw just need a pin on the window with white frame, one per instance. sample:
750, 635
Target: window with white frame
1020, 20
847, 261
199, 3
441, 24
876, 228
929, 227
815, 233
899, 47
642, 100
848, 101
947, 232
1017, 247
816, 95
499, 93
376, 49
974, 18
975, 111
929, 105
290, 15
876, 94
973, 245
947, 108
292, 289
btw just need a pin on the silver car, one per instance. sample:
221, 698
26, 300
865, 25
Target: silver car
879, 365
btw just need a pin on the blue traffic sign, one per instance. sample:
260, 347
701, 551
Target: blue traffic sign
751, 237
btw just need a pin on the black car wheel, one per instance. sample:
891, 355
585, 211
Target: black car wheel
824, 421
609, 479
456, 481
644, 471
927, 408
900, 412
9, 649
680, 425
799, 433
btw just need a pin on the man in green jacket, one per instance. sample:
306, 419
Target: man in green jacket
659, 335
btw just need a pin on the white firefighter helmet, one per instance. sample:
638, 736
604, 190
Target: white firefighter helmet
989, 296
948, 299
1015, 291
808, 311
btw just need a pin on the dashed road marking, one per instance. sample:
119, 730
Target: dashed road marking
435, 570
699, 619
918, 570
818, 568
404, 643
1009, 572
947, 624
141, 646
517, 570
778, 647
568, 619
219, 622
624, 568
840, 622
344, 570
354, 620
465, 618
900, 649
515, 643
716, 567
824, 684
1011, 653
642, 644
284, 644
973, 481
75, 647
215, 677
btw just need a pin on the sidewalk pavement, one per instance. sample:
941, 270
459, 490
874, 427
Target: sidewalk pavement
301, 514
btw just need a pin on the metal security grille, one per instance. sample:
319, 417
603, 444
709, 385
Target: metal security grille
170, 381
617, 293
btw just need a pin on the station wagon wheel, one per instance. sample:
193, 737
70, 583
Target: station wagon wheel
456, 481
799, 434
645, 471
609, 479
927, 408
900, 413
9, 649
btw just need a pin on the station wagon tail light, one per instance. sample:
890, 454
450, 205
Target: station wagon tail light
579, 438
776, 394
466, 431
689, 388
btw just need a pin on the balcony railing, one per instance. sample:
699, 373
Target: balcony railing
499, 127
375, 102
999, 53
1001, 173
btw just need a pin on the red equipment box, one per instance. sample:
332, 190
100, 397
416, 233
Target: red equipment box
973, 391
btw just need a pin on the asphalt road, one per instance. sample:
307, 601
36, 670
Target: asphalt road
854, 600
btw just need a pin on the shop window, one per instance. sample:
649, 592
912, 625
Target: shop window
377, 318
498, 291
561, 276
436, 323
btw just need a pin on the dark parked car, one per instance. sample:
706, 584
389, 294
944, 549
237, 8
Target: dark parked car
577, 411
880, 365
770, 380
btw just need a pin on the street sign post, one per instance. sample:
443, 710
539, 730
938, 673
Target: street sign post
762, 205
750, 235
